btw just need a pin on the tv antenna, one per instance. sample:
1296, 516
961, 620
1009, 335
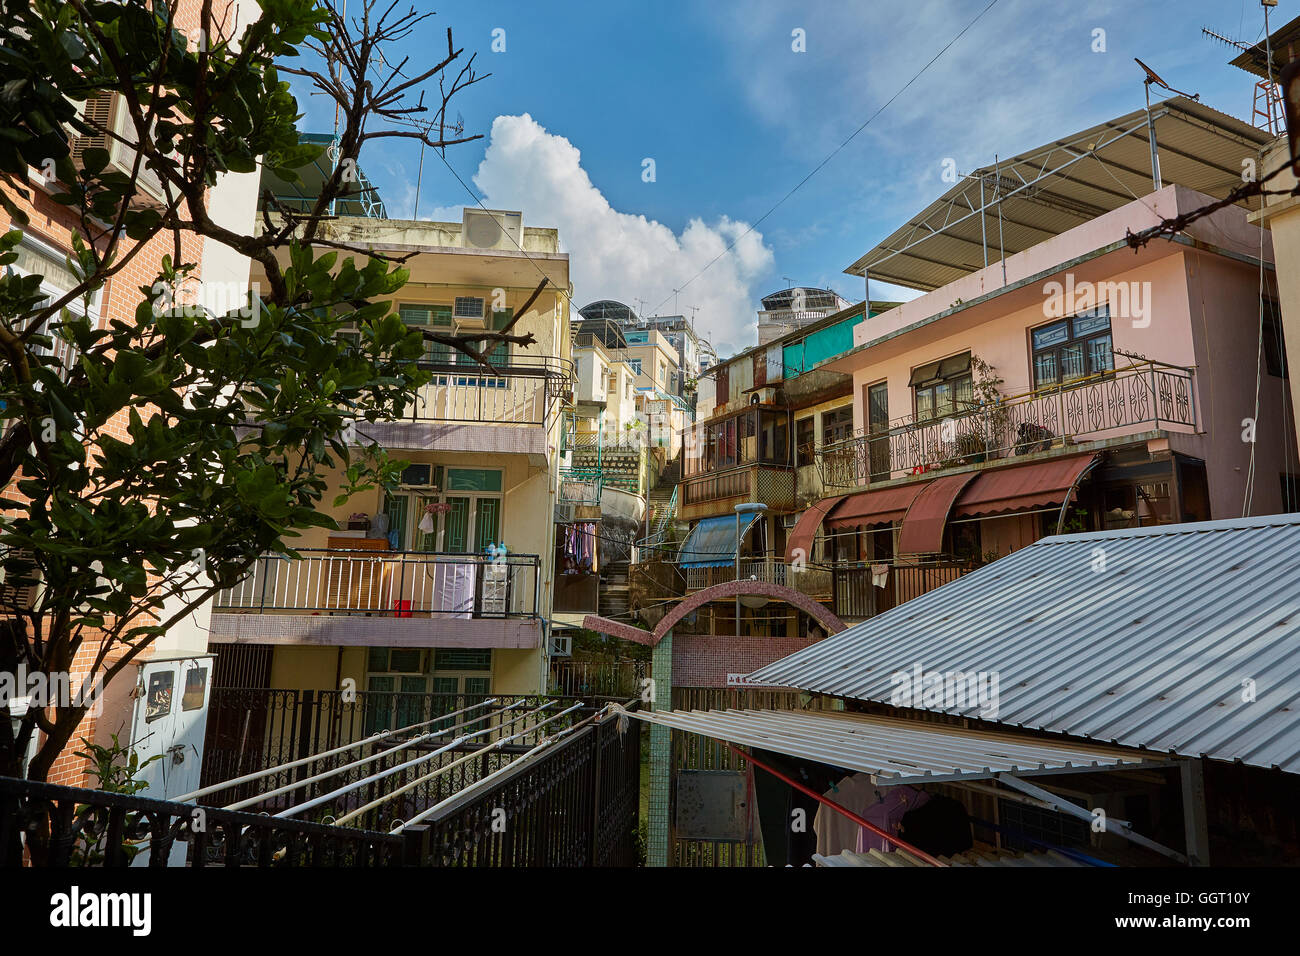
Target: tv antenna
1266, 110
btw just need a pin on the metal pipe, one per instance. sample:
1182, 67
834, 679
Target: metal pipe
326, 798
514, 764
298, 784
843, 811
373, 738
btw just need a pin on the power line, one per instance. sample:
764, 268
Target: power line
833, 154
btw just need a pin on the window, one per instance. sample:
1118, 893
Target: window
878, 424
35, 258
1072, 349
396, 683
636, 365
804, 432
943, 388
427, 315
1274, 345
837, 425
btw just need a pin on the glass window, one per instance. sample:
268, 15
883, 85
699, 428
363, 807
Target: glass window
445, 659
803, 439
943, 388
837, 425
1073, 349
473, 479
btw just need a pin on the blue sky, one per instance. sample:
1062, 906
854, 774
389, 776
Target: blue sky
733, 118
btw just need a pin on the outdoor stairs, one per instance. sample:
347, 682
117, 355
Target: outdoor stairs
660, 501
614, 591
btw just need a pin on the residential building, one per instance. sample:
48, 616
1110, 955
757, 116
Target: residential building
444, 585
1078, 384
788, 310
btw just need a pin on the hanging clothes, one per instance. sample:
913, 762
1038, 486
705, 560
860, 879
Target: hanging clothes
882, 806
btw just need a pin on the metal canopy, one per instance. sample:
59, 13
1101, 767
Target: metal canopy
712, 542
897, 751
1022, 200
1177, 639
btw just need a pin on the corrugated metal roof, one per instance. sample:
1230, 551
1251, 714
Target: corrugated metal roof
974, 857
1148, 637
1200, 148
893, 751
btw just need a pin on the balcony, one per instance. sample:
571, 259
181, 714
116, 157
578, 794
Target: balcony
856, 595
814, 582
1149, 394
702, 496
424, 599
525, 391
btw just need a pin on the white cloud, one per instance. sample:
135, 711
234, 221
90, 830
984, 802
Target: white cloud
619, 255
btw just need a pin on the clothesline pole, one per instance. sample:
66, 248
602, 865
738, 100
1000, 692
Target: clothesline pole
844, 811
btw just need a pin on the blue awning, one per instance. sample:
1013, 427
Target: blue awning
712, 542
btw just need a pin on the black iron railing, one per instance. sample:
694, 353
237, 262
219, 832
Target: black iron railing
48, 825
575, 805
1147, 393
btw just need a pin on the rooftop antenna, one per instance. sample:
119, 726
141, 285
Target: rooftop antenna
1153, 77
788, 281
1266, 108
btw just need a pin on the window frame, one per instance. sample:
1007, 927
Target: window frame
1083, 341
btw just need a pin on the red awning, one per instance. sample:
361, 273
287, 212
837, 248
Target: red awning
875, 507
923, 525
1021, 487
804, 532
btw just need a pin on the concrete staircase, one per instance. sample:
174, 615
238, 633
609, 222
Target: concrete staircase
614, 591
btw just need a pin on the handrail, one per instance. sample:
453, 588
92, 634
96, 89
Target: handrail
1142, 393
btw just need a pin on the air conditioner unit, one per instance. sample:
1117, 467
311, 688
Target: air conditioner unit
789, 521
108, 111
492, 229
561, 645
763, 396
13, 596
469, 310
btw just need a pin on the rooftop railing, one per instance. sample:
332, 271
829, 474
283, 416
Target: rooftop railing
1147, 393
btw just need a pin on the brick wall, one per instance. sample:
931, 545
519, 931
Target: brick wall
705, 660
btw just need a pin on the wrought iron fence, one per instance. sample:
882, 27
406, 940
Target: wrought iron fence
389, 583
48, 825
575, 804
1145, 393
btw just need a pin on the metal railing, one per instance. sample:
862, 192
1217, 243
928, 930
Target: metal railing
1147, 393
389, 583
614, 679
526, 390
814, 582
576, 805
56, 826
855, 594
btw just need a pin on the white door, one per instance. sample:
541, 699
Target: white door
171, 718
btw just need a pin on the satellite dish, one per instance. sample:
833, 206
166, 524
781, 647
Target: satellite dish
1154, 77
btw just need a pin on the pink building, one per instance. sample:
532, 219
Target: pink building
1076, 385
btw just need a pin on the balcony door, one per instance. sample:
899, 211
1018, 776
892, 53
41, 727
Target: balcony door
471, 523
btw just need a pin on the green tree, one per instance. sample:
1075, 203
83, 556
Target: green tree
233, 421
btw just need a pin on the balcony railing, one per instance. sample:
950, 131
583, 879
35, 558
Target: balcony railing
1147, 393
773, 485
814, 582
525, 391
389, 584
856, 594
